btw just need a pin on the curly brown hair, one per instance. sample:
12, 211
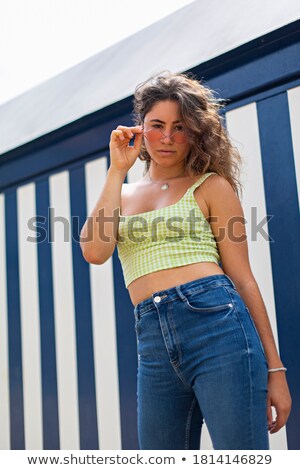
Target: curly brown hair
211, 149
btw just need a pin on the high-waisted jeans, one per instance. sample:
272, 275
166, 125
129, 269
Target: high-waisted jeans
200, 358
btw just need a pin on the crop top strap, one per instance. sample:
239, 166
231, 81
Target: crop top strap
200, 181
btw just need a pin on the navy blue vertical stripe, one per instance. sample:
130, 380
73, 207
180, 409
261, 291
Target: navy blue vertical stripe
284, 228
14, 324
127, 359
83, 312
47, 326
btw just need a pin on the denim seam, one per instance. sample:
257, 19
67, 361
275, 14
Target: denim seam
180, 376
216, 309
165, 337
203, 309
250, 369
188, 424
257, 334
177, 371
173, 328
208, 287
141, 314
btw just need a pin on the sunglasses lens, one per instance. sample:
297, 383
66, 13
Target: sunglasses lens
180, 137
154, 135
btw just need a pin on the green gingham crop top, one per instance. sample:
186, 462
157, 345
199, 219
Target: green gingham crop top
164, 238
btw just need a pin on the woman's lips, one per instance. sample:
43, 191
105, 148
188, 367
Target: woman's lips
166, 152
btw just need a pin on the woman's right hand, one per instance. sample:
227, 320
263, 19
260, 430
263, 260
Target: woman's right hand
123, 156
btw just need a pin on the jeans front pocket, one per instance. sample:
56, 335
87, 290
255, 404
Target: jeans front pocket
213, 303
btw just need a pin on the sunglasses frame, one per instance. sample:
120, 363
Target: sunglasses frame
171, 136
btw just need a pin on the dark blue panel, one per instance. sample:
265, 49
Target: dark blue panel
256, 66
14, 324
48, 351
127, 358
284, 228
263, 95
83, 312
53, 157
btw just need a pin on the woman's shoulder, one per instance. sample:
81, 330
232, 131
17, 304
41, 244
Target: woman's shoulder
140, 189
128, 188
213, 186
210, 180
214, 179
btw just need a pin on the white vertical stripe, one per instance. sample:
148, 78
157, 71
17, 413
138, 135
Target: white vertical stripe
4, 373
104, 328
205, 440
242, 124
30, 319
64, 312
294, 107
136, 171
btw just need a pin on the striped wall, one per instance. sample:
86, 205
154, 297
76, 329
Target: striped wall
54, 391
246, 139
67, 342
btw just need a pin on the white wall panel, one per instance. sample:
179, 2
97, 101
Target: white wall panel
30, 319
104, 327
242, 125
64, 309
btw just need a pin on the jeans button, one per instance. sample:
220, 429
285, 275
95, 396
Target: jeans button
157, 299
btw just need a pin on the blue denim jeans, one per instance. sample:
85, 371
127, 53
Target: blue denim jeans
200, 358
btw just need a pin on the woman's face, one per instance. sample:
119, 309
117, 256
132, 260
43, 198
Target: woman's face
166, 151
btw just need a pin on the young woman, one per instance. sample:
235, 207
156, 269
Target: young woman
205, 346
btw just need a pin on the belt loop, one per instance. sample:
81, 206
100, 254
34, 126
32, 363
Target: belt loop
181, 295
136, 313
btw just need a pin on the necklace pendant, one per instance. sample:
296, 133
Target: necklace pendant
164, 186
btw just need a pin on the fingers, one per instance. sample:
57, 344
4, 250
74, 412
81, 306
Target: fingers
276, 425
138, 141
269, 414
282, 414
117, 135
281, 419
126, 133
134, 129
279, 398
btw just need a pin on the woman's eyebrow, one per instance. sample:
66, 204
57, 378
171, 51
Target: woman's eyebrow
162, 122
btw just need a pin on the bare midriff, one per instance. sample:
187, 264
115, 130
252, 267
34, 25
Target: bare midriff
143, 287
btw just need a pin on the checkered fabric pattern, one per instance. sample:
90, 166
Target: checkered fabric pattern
164, 238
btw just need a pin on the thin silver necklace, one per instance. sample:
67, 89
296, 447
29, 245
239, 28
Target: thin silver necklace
165, 186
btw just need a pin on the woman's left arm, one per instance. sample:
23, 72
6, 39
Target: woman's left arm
228, 226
